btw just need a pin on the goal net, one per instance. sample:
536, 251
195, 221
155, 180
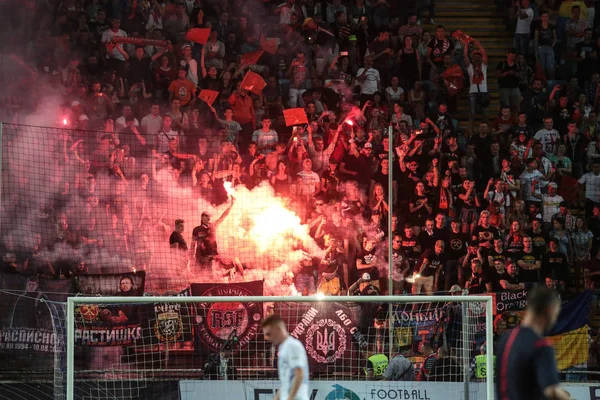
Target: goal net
362, 347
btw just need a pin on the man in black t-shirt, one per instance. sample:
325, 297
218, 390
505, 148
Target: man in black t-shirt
555, 265
478, 283
428, 269
205, 239
176, 240
411, 244
529, 262
508, 82
525, 360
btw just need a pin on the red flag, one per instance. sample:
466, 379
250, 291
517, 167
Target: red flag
295, 116
208, 96
198, 35
253, 82
453, 79
251, 58
461, 36
268, 45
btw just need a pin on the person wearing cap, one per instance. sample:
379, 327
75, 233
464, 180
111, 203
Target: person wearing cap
363, 286
455, 290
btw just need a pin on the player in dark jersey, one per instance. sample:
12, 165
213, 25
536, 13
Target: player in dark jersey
525, 360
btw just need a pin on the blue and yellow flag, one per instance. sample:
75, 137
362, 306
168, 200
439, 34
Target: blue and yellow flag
570, 335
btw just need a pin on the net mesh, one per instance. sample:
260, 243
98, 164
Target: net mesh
346, 343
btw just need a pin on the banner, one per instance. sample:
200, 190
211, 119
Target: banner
330, 332
235, 323
510, 300
355, 390
167, 322
413, 326
110, 324
30, 317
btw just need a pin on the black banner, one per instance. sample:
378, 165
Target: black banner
31, 318
330, 331
111, 324
167, 322
219, 324
510, 300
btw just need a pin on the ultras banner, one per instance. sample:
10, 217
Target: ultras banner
109, 325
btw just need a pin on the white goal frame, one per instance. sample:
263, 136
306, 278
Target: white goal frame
73, 301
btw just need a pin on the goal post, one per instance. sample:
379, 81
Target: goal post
399, 321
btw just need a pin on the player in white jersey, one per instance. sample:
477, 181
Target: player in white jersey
292, 361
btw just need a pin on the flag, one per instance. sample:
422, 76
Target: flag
569, 337
461, 36
198, 35
571, 348
453, 79
253, 82
295, 116
268, 45
251, 58
208, 96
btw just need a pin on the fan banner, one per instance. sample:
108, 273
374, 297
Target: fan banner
253, 82
30, 317
167, 322
251, 58
232, 323
208, 96
111, 324
330, 332
198, 35
295, 116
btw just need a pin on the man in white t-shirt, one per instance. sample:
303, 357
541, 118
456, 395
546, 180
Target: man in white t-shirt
551, 203
117, 53
591, 180
292, 362
523, 31
265, 137
152, 123
368, 79
548, 137
120, 123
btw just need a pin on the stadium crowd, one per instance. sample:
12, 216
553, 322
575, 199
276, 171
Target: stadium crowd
486, 206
